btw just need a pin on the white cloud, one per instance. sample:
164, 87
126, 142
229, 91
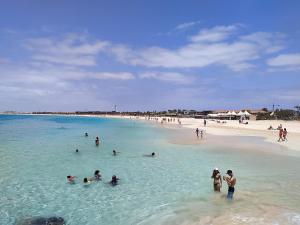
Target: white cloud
270, 42
110, 75
170, 77
236, 56
217, 33
285, 61
184, 26
210, 47
73, 50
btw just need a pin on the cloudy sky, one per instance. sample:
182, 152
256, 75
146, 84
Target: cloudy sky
149, 55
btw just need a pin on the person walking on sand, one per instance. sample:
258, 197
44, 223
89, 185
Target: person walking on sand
197, 132
231, 181
217, 180
201, 134
280, 134
204, 122
284, 134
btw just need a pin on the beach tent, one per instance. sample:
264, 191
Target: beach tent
241, 113
233, 113
246, 113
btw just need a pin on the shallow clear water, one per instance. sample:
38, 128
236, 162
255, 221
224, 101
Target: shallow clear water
38, 152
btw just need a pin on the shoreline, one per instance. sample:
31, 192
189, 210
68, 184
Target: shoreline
231, 128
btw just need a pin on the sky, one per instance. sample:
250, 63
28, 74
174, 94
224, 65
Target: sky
149, 55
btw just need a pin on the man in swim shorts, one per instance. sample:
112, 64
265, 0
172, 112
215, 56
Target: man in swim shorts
231, 181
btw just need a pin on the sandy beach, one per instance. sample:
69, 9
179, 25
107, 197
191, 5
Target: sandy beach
254, 128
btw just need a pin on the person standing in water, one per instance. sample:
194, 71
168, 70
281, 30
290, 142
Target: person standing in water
197, 132
231, 181
217, 180
115, 152
97, 141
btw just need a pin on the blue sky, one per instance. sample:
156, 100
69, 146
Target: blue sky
149, 55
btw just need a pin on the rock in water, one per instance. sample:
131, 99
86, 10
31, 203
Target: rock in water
43, 221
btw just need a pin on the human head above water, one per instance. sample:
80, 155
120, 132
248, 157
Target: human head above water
97, 172
229, 172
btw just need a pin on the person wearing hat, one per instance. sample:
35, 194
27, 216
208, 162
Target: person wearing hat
231, 181
217, 180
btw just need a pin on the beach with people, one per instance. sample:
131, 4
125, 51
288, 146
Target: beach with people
254, 128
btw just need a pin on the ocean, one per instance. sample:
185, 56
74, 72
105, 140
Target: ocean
172, 188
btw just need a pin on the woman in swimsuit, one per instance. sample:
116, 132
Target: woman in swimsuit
217, 180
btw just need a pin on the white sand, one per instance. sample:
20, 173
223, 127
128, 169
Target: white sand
258, 128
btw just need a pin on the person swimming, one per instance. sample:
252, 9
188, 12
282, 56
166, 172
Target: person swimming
71, 179
97, 175
114, 152
150, 155
77, 150
86, 181
114, 180
86, 134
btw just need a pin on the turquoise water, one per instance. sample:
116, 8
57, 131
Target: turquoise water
38, 152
